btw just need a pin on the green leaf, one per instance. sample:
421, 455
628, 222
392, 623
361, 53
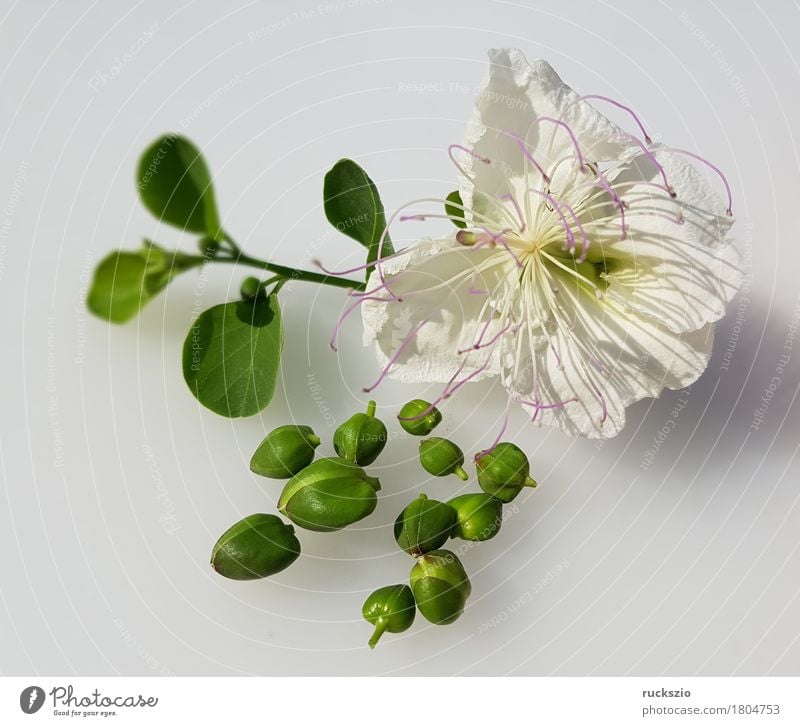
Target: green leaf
125, 281
456, 213
231, 356
353, 206
175, 185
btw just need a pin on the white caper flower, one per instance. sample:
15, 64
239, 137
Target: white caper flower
589, 275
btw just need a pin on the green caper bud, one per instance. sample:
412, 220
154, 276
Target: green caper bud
419, 417
251, 287
361, 438
285, 451
441, 457
504, 471
258, 546
329, 494
478, 516
424, 525
440, 586
389, 608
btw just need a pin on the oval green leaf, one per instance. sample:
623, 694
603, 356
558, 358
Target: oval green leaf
125, 281
456, 212
353, 206
175, 185
232, 355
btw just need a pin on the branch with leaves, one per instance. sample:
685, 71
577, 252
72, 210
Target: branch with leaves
232, 352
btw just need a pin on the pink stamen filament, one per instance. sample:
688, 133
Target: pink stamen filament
598, 364
486, 324
445, 392
424, 217
499, 238
474, 290
630, 111
633, 188
380, 258
539, 406
480, 344
499, 436
572, 136
649, 154
729, 210
524, 148
569, 242
457, 279
521, 217
384, 286
375, 262
584, 240
419, 415
346, 314
650, 211
394, 358
471, 153
601, 179
449, 389
466, 380
602, 399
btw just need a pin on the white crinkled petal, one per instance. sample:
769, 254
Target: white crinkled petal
437, 283
608, 358
515, 95
681, 274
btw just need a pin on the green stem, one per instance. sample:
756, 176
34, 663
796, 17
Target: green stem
380, 629
288, 273
461, 473
277, 288
371, 408
266, 283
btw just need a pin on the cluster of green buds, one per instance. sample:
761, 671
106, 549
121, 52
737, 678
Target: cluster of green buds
323, 495
329, 493
439, 584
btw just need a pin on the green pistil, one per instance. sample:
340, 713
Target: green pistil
592, 273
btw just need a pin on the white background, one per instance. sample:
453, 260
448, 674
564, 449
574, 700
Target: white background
688, 565
619, 701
